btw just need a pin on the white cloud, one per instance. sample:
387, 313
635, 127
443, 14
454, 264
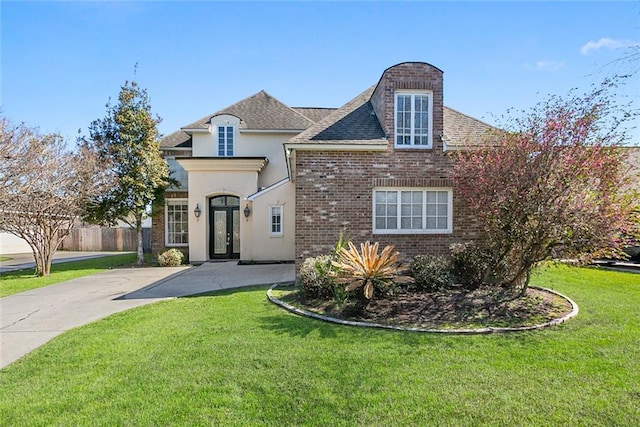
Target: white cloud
549, 65
606, 43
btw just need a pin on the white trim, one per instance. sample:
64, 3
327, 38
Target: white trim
265, 190
413, 145
423, 230
196, 130
219, 164
381, 146
276, 233
226, 136
166, 223
175, 148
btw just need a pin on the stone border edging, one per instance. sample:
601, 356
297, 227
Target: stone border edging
307, 313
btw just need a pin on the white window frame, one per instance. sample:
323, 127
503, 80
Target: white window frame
272, 208
423, 229
168, 202
226, 129
412, 134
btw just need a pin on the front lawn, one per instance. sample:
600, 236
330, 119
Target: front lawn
236, 359
14, 282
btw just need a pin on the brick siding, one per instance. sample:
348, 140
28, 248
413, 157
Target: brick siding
334, 189
157, 220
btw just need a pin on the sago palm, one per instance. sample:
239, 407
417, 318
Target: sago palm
365, 268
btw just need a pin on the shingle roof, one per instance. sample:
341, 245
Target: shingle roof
260, 111
356, 123
177, 139
461, 130
353, 123
314, 114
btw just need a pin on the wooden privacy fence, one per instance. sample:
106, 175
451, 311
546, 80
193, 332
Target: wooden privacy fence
106, 239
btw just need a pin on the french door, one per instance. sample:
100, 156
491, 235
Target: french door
224, 227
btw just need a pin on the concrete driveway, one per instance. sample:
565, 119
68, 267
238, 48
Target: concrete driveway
30, 319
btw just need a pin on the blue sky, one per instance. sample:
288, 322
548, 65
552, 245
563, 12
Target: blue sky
62, 61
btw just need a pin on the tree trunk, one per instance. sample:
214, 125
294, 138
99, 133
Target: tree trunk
43, 257
47, 259
36, 257
140, 246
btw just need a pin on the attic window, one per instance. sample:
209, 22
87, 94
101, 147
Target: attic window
226, 136
413, 119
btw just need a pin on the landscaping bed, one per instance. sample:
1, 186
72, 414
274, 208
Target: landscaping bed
453, 309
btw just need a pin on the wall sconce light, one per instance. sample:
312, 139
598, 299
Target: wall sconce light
247, 211
197, 211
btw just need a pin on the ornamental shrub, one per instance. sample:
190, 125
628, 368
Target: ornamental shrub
469, 264
316, 277
171, 258
431, 272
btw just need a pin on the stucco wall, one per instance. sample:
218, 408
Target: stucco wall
264, 246
247, 144
202, 186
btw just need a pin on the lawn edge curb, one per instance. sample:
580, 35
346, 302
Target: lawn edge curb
490, 330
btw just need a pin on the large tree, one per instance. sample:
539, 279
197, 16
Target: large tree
44, 188
551, 184
127, 139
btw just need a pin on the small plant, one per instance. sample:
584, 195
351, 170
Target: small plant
431, 272
316, 277
367, 269
343, 241
171, 258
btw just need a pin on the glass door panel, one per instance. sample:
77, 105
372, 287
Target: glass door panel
224, 227
236, 232
220, 232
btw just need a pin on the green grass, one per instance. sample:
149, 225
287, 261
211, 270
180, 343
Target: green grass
14, 282
236, 359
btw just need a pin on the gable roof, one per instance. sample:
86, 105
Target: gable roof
257, 112
355, 123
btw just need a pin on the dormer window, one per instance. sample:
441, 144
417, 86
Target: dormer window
226, 139
413, 119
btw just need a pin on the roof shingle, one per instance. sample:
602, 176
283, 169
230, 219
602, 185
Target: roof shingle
353, 123
461, 130
257, 112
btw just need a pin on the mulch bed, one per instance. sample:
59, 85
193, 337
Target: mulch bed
452, 309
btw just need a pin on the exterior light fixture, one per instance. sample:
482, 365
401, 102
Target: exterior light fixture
247, 211
197, 211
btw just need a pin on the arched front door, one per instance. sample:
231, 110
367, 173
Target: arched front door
224, 227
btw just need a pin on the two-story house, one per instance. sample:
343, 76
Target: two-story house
265, 182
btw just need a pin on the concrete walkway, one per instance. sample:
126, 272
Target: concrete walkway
30, 319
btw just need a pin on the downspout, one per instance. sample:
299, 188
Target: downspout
289, 155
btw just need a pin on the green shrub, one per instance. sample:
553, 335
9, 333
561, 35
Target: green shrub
171, 258
469, 263
431, 272
316, 277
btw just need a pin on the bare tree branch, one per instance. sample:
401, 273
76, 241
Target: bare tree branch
44, 188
